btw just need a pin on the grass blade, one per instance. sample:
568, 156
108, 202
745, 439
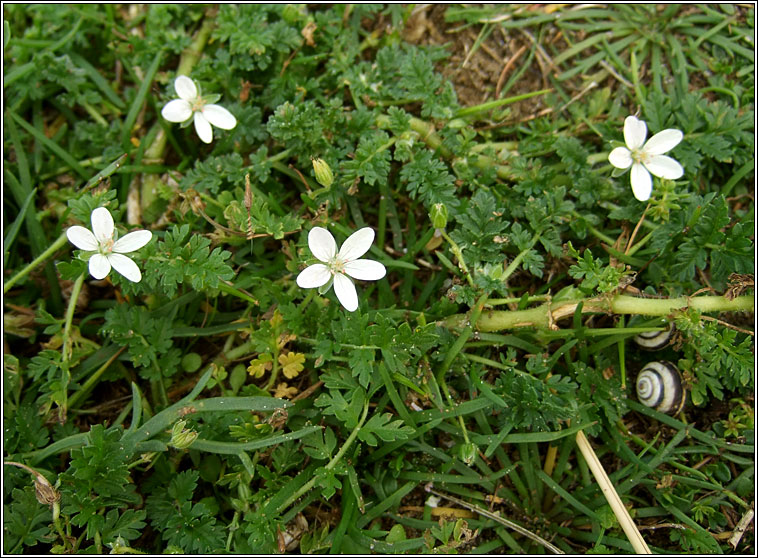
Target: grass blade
136, 106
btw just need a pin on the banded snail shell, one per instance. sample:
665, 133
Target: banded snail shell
654, 340
660, 385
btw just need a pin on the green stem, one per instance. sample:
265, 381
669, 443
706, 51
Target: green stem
95, 115
329, 466
501, 301
459, 255
284, 169
92, 380
517, 260
54, 247
545, 315
484, 107
453, 352
59, 528
596, 233
66, 341
640, 244
70, 315
229, 289
237, 352
275, 369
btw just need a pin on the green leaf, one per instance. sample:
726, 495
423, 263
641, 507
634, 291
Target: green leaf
127, 525
183, 257
148, 339
210, 174
427, 178
347, 412
382, 427
26, 522
371, 162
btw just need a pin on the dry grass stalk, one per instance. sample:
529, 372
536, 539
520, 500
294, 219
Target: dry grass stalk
625, 520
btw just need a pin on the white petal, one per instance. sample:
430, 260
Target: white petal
203, 128
185, 88
357, 244
635, 132
365, 270
132, 241
126, 267
322, 244
99, 266
177, 110
102, 224
345, 291
313, 276
665, 167
663, 141
620, 158
642, 182
82, 238
219, 117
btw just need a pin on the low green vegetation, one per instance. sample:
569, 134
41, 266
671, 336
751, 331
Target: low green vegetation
366, 278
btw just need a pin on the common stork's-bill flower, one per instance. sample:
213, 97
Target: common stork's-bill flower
106, 251
205, 113
646, 157
337, 266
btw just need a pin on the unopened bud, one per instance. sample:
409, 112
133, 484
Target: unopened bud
438, 215
292, 13
181, 438
467, 453
323, 171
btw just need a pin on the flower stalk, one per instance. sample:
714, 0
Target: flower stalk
66, 346
329, 466
54, 247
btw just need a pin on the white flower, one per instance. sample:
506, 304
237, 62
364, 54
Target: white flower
646, 157
338, 265
189, 103
106, 250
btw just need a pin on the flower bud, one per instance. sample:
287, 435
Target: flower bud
467, 453
291, 13
438, 215
324, 174
181, 438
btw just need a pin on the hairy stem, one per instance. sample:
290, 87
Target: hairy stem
546, 315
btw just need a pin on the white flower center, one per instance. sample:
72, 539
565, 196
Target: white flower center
336, 265
197, 104
639, 155
106, 247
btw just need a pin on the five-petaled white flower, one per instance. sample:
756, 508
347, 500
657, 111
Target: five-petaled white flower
189, 103
646, 157
338, 265
106, 250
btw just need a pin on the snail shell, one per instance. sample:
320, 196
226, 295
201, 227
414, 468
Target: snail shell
660, 385
654, 340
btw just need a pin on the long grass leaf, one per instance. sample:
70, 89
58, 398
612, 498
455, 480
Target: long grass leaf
139, 99
12, 231
50, 145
